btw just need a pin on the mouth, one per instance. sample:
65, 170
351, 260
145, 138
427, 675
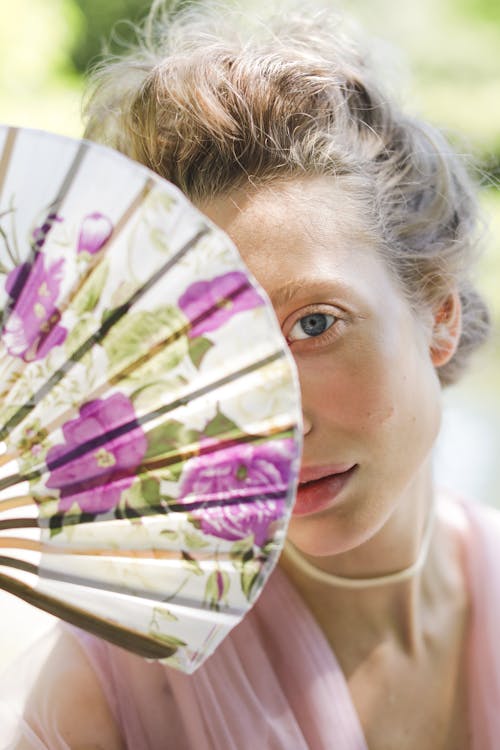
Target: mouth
316, 493
309, 474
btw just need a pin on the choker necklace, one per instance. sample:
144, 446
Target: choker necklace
362, 583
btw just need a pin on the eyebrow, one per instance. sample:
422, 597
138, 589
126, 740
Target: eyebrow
305, 288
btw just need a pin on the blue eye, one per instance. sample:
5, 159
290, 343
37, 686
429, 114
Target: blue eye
311, 325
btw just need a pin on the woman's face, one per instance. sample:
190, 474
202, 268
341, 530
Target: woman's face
370, 392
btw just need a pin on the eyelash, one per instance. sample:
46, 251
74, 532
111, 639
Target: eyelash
324, 337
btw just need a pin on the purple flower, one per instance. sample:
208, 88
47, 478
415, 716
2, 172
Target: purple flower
209, 304
95, 477
32, 328
219, 478
95, 231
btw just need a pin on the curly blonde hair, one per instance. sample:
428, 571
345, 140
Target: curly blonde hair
209, 101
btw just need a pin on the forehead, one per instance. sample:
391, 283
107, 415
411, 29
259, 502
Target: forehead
304, 230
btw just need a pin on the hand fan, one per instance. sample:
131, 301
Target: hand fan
150, 422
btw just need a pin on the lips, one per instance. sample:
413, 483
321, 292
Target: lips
311, 473
321, 491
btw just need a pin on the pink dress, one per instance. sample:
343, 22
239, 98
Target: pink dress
274, 683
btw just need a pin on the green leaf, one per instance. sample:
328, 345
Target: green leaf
213, 594
162, 613
56, 524
152, 335
198, 348
87, 298
191, 564
143, 496
220, 425
194, 540
269, 548
80, 333
249, 574
168, 640
168, 438
159, 240
240, 548
171, 535
171, 473
150, 394
150, 489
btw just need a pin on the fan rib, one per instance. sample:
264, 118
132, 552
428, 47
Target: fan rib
18, 523
151, 553
17, 542
119, 226
120, 635
137, 363
16, 502
6, 155
96, 337
135, 592
167, 459
177, 334
105, 437
45, 229
117, 571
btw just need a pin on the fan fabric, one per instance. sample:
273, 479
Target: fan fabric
150, 423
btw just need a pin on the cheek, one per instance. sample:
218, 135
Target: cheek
353, 390
389, 391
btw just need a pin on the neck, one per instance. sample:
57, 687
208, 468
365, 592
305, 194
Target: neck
398, 607
298, 560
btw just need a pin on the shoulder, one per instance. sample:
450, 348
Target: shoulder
65, 702
477, 526
483, 521
469, 515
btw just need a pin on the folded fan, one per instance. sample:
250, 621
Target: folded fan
150, 423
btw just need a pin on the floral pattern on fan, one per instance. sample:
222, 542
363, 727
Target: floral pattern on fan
32, 328
150, 404
92, 472
251, 482
95, 231
209, 304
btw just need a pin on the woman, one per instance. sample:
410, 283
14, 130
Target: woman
376, 629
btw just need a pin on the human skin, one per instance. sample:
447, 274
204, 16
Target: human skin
370, 396
370, 390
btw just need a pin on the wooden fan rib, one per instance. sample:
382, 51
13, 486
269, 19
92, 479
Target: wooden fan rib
185, 508
51, 213
23, 501
151, 553
154, 471
18, 523
8, 149
119, 226
116, 432
19, 564
44, 573
117, 230
140, 361
159, 597
20, 543
96, 337
174, 457
119, 635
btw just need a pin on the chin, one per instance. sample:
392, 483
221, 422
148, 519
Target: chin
321, 537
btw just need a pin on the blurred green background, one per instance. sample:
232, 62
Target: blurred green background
444, 55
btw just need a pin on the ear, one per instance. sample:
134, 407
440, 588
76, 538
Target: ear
446, 330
